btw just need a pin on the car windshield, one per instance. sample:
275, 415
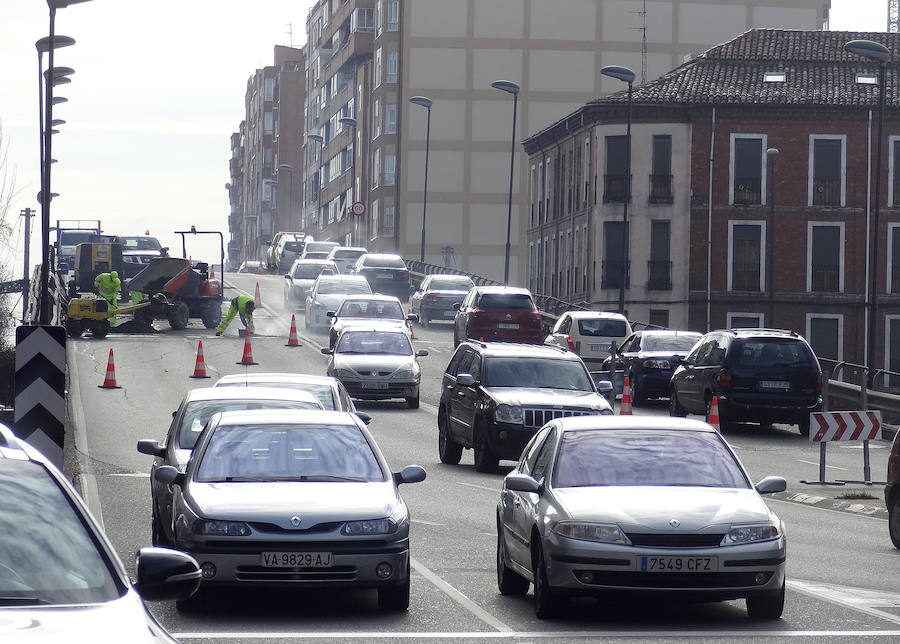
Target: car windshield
669, 341
603, 328
319, 247
198, 412
139, 243
308, 271
542, 373
633, 457
348, 253
330, 287
294, 247
288, 452
451, 284
323, 392
47, 554
376, 261
383, 342
520, 301
773, 352
371, 309
73, 239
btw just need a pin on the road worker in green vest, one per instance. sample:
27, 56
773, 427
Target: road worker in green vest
107, 285
243, 305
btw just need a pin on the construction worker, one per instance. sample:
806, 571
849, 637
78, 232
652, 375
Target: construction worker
107, 285
243, 305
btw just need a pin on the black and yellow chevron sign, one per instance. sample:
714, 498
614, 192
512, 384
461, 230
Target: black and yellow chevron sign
40, 389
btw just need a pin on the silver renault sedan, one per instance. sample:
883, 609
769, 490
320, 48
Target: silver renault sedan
292, 499
619, 504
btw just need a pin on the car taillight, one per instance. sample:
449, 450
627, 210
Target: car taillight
724, 378
570, 343
819, 382
431, 298
653, 363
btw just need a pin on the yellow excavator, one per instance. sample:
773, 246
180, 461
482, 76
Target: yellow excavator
91, 313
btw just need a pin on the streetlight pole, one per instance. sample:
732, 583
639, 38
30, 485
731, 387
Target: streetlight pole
351, 122
881, 54
771, 155
426, 103
510, 88
626, 75
321, 141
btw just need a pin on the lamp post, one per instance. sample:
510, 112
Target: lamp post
426, 103
46, 150
881, 54
350, 122
284, 167
626, 75
510, 88
317, 138
771, 155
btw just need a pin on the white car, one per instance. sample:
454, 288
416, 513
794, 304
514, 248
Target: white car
298, 281
589, 333
318, 249
345, 256
385, 310
326, 295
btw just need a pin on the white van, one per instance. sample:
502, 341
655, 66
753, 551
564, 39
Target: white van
589, 333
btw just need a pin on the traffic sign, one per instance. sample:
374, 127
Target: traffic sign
358, 208
845, 426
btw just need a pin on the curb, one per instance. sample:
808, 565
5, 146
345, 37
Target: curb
868, 507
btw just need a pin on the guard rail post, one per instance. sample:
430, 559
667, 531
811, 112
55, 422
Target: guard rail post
864, 405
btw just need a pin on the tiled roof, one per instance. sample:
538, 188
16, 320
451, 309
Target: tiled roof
818, 71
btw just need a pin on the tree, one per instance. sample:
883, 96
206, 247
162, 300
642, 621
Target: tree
7, 350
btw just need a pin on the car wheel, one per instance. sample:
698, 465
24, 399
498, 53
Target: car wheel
74, 328
803, 426
767, 605
178, 316
413, 402
485, 459
675, 408
508, 581
547, 605
449, 450
894, 521
212, 314
395, 598
99, 329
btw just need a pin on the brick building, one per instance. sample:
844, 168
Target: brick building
777, 239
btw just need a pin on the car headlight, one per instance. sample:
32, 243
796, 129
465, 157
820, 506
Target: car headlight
216, 528
403, 373
750, 533
369, 526
598, 532
509, 414
344, 373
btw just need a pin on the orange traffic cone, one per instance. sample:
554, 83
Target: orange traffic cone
625, 406
257, 301
259, 269
412, 333
247, 358
714, 413
293, 340
212, 271
200, 365
110, 381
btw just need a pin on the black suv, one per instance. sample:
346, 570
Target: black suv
387, 274
495, 396
758, 375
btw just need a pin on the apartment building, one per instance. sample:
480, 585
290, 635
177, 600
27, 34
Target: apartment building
771, 171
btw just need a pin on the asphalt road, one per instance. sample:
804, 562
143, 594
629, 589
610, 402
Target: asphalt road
842, 569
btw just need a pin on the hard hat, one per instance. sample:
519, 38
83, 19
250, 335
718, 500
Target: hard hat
114, 275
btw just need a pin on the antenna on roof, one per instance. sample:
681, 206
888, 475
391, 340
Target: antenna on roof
290, 32
643, 29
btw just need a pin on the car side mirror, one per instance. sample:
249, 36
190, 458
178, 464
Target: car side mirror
363, 416
465, 380
164, 574
150, 447
287, 276
421, 353
169, 475
174, 413
412, 317
456, 306
326, 351
521, 483
771, 485
331, 314
410, 474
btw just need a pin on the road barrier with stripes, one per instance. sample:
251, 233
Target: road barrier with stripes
830, 426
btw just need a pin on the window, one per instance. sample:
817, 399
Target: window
661, 177
825, 250
892, 346
376, 169
375, 219
586, 170
774, 77
659, 318
614, 185
390, 119
825, 333
391, 72
826, 169
659, 268
746, 270
269, 92
393, 17
613, 256
866, 79
362, 19
894, 171
378, 67
379, 17
376, 117
893, 259
388, 219
744, 320
390, 162
533, 189
747, 177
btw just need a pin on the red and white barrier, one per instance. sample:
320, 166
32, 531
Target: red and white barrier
830, 426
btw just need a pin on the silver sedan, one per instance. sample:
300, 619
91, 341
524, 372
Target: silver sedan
613, 504
288, 499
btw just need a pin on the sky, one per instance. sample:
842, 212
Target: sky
157, 91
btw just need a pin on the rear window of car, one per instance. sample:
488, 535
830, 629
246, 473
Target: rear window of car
139, 243
323, 393
378, 309
772, 352
637, 457
519, 301
603, 328
451, 284
327, 287
316, 247
294, 247
383, 262
198, 412
669, 342
309, 271
348, 254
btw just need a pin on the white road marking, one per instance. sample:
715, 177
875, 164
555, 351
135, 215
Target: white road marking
816, 507
860, 446
682, 635
89, 489
431, 409
424, 522
459, 598
479, 487
858, 599
832, 467
133, 475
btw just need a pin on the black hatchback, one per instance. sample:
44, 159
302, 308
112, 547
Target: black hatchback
758, 375
386, 273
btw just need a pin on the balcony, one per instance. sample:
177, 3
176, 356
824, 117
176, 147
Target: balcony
826, 192
357, 45
825, 279
614, 188
747, 191
661, 188
611, 273
659, 275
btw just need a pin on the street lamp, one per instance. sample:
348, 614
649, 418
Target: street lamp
510, 88
350, 122
284, 167
881, 54
317, 138
625, 75
771, 155
426, 103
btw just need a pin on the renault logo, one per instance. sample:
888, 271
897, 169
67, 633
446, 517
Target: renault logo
295, 521
674, 523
